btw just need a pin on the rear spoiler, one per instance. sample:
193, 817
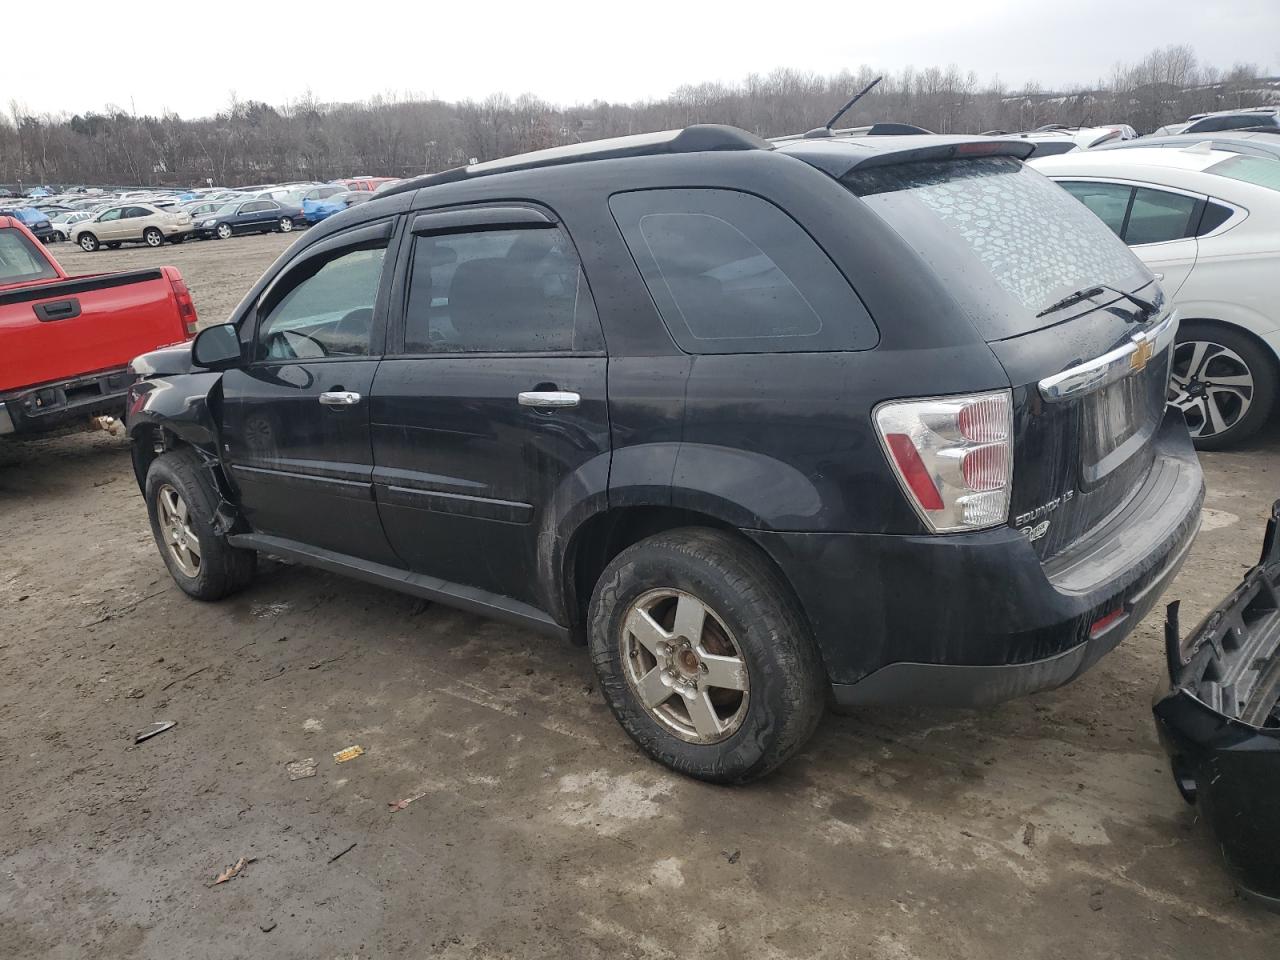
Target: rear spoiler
839, 156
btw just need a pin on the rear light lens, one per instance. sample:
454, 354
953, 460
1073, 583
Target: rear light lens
186, 306
953, 457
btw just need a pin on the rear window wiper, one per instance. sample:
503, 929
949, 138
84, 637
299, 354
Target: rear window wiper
1146, 306
1070, 300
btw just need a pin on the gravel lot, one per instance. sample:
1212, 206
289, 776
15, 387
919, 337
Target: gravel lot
1048, 827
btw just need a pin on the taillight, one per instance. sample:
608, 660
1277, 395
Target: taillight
186, 306
953, 457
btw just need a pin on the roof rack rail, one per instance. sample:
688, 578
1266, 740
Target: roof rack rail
885, 128
698, 138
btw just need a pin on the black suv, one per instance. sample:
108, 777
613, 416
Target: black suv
873, 418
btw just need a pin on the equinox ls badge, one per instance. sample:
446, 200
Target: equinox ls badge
1032, 523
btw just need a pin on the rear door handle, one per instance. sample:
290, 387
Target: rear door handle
549, 398
339, 398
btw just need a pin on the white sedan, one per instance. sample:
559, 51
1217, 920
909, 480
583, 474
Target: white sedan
1207, 223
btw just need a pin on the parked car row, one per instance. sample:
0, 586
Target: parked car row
96, 218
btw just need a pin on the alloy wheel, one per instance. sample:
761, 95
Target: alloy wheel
285, 224
1212, 385
224, 231
684, 666
175, 529
153, 238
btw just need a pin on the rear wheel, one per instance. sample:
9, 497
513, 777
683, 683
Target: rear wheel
152, 237
704, 656
88, 242
286, 224
1223, 382
181, 503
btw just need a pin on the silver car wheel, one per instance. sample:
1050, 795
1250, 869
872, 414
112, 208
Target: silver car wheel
1211, 384
224, 231
175, 528
684, 666
285, 224
153, 238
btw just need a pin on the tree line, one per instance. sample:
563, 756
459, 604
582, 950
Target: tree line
391, 135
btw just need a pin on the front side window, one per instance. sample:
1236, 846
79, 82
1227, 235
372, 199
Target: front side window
499, 291
731, 273
112, 214
325, 308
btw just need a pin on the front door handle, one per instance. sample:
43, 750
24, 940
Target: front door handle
549, 398
339, 398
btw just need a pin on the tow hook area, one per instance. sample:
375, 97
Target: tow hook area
1220, 722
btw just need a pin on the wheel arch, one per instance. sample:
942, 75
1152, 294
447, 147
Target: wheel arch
603, 535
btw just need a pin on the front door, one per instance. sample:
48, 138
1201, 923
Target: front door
296, 417
491, 415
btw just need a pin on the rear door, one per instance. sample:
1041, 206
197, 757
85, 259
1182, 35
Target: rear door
296, 417
491, 406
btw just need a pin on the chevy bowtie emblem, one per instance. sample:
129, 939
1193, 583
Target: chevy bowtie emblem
1138, 359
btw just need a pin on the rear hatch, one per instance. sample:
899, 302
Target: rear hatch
1044, 282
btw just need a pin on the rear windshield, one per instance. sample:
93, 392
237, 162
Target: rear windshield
1008, 242
20, 261
1260, 171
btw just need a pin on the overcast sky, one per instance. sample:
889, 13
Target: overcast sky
188, 57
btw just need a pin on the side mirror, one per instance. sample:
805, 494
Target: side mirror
217, 348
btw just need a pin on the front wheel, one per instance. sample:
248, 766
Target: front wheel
181, 503
224, 231
286, 224
704, 656
1223, 382
88, 242
152, 237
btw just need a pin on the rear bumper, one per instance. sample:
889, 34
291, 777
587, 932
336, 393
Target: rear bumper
1218, 721
33, 410
972, 619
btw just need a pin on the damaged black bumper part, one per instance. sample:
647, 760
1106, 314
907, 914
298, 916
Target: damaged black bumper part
1220, 722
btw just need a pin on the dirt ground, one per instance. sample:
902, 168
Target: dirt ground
1047, 827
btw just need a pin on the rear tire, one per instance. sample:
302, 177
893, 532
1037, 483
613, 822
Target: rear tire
182, 501
1223, 381
152, 237
88, 242
286, 224
732, 703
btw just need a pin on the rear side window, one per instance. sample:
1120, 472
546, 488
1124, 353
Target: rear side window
1006, 241
731, 273
20, 261
1215, 215
499, 291
1158, 216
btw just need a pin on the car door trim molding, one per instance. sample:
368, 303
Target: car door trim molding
471, 599
336, 486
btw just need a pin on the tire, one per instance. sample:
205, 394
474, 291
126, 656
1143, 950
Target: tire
88, 242
219, 569
152, 237
753, 635
223, 231
1224, 382
285, 225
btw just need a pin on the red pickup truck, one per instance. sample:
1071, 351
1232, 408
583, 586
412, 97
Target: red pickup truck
66, 342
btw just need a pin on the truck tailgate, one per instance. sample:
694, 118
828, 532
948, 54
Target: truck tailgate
70, 327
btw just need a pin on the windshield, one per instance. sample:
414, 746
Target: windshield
20, 261
1007, 242
1260, 171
